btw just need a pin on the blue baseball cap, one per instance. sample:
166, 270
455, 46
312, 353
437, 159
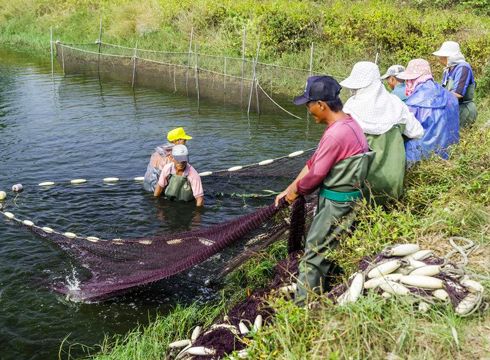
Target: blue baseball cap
324, 88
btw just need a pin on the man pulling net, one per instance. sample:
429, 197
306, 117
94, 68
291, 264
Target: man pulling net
338, 168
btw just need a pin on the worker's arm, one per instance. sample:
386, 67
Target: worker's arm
158, 191
458, 96
291, 191
200, 201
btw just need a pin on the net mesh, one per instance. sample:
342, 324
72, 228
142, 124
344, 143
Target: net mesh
112, 266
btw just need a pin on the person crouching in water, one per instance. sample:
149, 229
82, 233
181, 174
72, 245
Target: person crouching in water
163, 156
179, 180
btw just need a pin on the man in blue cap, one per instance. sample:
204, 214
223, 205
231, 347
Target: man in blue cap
337, 168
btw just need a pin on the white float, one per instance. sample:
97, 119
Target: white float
266, 162
93, 238
70, 235
139, 178
9, 215
110, 179
47, 229
78, 181
235, 168
3, 195
296, 153
205, 173
27, 223
46, 183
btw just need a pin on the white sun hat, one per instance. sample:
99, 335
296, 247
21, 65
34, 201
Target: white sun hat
363, 74
448, 48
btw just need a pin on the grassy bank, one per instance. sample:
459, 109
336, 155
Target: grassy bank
442, 199
343, 31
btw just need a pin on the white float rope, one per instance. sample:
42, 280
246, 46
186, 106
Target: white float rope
70, 235
113, 180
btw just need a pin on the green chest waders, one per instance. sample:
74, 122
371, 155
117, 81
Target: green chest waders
338, 193
387, 171
467, 107
178, 188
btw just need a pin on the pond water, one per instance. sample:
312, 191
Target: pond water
66, 127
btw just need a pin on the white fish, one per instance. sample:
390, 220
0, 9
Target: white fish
471, 285
375, 282
354, 290
401, 250
243, 328
429, 270
394, 288
422, 281
440, 294
200, 350
195, 333
468, 303
258, 323
421, 254
179, 344
384, 268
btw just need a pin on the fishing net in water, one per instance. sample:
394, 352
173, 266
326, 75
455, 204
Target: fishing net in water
112, 266
117, 265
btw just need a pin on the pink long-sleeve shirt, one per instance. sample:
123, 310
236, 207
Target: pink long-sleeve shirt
343, 139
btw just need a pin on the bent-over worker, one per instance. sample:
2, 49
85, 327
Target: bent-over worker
179, 180
162, 156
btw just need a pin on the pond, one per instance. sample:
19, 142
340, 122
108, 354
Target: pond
56, 128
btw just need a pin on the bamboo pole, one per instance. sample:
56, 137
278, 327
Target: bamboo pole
244, 39
135, 55
310, 72
224, 78
255, 78
99, 42
62, 60
196, 67
189, 62
253, 82
52, 51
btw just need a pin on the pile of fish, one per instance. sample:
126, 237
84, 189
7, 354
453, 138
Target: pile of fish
189, 349
405, 269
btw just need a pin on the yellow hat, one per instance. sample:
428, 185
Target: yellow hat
177, 134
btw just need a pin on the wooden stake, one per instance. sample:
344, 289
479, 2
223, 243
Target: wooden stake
52, 52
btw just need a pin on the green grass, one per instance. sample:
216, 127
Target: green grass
442, 198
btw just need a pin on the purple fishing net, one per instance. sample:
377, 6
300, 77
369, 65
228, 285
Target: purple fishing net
118, 265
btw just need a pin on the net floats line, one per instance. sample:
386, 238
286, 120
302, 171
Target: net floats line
68, 234
113, 180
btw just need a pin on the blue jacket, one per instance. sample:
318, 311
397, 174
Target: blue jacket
438, 112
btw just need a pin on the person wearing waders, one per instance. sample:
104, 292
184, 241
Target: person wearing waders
385, 120
179, 180
458, 79
163, 156
338, 168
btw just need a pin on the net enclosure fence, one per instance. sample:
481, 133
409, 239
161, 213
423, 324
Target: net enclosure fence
237, 81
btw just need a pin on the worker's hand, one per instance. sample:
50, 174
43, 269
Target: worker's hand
291, 196
280, 196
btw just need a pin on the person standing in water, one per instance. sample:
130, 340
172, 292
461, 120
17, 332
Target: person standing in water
163, 156
179, 180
